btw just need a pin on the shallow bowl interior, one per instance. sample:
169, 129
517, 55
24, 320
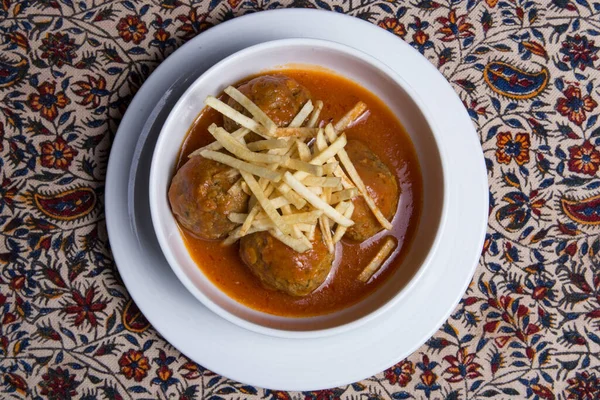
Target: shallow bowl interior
358, 67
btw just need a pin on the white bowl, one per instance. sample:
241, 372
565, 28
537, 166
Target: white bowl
372, 75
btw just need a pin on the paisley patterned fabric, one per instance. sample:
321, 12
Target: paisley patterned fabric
528, 73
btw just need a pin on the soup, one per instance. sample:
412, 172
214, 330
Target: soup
383, 134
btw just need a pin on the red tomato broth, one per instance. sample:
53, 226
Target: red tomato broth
223, 266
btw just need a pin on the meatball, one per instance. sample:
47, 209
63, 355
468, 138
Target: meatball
200, 201
280, 97
280, 267
381, 185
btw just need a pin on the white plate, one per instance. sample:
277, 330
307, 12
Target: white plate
265, 361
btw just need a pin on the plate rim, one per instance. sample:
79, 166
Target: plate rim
147, 87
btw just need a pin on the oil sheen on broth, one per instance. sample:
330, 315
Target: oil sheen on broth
386, 137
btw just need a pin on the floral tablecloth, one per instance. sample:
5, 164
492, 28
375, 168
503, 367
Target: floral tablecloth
528, 72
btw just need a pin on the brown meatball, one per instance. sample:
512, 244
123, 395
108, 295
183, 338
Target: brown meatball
381, 185
280, 267
199, 198
280, 97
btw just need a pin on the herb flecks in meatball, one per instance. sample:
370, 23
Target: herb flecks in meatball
280, 97
200, 200
381, 185
280, 267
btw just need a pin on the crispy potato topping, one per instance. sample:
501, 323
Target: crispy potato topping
299, 176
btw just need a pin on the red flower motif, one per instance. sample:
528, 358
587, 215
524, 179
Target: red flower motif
59, 49
584, 386
193, 24
539, 292
584, 159
400, 373
18, 39
134, 365
193, 370
47, 102
57, 154
542, 391
579, 51
454, 27
92, 90
420, 38
574, 106
85, 308
164, 373
58, 384
17, 282
509, 148
491, 326
392, 25
462, 366
8, 318
428, 377
131, 28
161, 36
16, 383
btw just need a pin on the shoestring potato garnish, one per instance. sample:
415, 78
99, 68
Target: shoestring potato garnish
294, 188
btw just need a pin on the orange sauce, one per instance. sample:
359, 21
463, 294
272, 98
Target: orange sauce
386, 137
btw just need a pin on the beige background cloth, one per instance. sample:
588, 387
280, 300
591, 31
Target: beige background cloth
528, 74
